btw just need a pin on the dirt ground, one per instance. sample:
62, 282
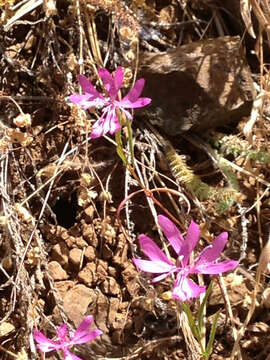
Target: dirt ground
64, 252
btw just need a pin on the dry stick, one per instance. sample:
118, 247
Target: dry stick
61, 159
228, 307
80, 36
145, 182
149, 194
258, 210
8, 352
266, 183
262, 266
95, 37
174, 204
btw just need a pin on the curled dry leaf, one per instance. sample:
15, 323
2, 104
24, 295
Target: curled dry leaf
16, 136
4, 142
6, 2
49, 7
7, 262
4, 220
266, 298
86, 179
254, 116
6, 328
22, 355
85, 196
33, 256
246, 15
48, 171
105, 196
23, 120
264, 261
23, 213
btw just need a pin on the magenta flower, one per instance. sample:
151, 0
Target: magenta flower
65, 341
109, 122
184, 288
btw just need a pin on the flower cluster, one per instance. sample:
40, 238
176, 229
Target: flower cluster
110, 104
184, 288
66, 339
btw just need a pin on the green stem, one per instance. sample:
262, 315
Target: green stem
130, 142
194, 328
119, 147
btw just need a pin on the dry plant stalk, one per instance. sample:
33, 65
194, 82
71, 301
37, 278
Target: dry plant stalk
263, 266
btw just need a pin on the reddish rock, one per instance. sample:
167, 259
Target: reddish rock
88, 274
90, 254
110, 286
56, 271
75, 256
89, 235
89, 214
62, 287
101, 313
70, 241
80, 242
130, 279
76, 302
60, 253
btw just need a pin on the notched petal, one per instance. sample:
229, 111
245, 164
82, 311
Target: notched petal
152, 250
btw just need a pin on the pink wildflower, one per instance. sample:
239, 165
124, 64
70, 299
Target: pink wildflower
65, 341
109, 122
184, 288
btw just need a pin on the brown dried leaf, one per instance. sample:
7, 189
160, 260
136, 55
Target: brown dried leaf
16, 136
23, 120
246, 15
49, 7
6, 2
6, 328
22, 355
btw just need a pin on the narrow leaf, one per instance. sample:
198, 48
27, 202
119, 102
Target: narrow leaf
191, 321
209, 346
202, 306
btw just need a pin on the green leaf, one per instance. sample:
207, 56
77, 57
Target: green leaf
119, 147
191, 321
202, 306
209, 346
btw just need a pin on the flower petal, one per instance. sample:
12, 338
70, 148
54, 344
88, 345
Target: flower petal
62, 332
161, 277
69, 356
102, 126
88, 88
135, 92
107, 79
43, 343
171, 232
215, 268
114, 124
152, 250
77, 98
98, 129
111, 84
83, 334
191, 239
185, 289
154, 267
141, 102
213, 251
86, 101
118, 78
83, 327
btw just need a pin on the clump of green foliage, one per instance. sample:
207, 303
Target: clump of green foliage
239, 147
224, 197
